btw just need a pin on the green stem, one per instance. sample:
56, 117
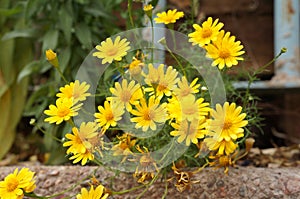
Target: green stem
147, 186
178, 62
61, 75
48, 134
152, 38
33, 195
166, 188
261, 69
127, 190
167, 153
130, 13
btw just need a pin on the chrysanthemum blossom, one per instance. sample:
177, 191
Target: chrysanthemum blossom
189, 131
15, 184
98, 193
62, 111
164, 84
193, 108
148, 115
228, 122
206, 33
169, 17
83, 157
109, 51
225, 51
153, 74
75, 90
79, 138
79, 143
222, 147
125, 94
185, 88
109, 115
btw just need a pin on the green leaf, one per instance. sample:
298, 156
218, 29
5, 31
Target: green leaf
28, 33
31, 7
64, 58
32, 67
66, 22
97, 12
10, 12
84, 35
50, 40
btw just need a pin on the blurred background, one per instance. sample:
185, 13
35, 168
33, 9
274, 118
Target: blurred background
74, 27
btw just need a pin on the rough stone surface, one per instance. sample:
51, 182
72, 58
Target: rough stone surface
242, 182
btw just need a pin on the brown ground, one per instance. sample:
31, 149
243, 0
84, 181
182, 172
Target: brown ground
242, 182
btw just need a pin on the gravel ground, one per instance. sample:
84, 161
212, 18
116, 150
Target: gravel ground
241, 182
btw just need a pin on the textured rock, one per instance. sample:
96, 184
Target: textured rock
242, 182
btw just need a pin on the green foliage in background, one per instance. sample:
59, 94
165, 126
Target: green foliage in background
72, 28
14, 54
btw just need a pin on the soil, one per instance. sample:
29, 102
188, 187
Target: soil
241, 182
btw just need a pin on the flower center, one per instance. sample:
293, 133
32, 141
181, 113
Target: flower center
169, 18
227, 125
189, 110
63, 111
148, 115
12, 184
185, 92
125, 96
109, 116
161, 87
112, 51
224, 53
206, 33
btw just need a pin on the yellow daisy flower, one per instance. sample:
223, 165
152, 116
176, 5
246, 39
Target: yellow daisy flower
148, 115
225, 51
187, 108
208, 32
125, 94
109, 50
228, 122
173, 109
15, 184
169, 17
98, 193
185, 89
79, 139
63, 110
165, 82
109, 114
221, 146
193, 108
83, 157
189, 131
153, 76
75, 90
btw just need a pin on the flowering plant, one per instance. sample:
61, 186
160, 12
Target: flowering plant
129, 110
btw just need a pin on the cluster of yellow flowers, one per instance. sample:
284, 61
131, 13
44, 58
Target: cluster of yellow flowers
19, 183
146, 98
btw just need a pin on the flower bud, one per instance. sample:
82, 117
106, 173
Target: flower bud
249, 144
52, 58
